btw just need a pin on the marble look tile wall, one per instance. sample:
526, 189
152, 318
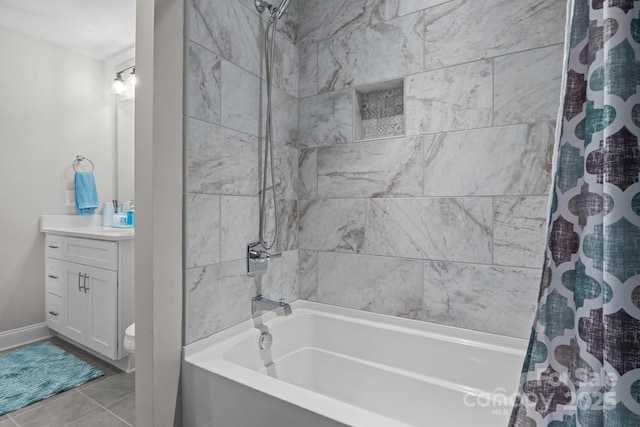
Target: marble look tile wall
220, 160
308, 70
444, 224
447, 223
334, 17
518, 230
228, 28
453, 98
383, 168
203, 89
224, 120
240, 106
400, 41
308, 275
362, 282
326, 119
308, 173
540, 101
332, 225
461, 31
448, 156
202, 230
453, 229
339, 17
489, 298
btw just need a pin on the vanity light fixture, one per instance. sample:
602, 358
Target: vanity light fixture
119, 85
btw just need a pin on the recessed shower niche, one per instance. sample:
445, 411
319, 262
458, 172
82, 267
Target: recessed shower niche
379, 110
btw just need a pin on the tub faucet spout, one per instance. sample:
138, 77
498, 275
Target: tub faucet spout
261, 304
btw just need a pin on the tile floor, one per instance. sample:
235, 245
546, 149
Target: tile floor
107, 401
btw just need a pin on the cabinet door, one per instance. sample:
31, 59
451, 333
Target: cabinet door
102, 311
75, 324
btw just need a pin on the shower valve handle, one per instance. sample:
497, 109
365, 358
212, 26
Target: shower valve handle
259, 256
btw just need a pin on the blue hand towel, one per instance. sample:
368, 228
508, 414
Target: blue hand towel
86, 193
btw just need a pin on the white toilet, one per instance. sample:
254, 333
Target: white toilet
130, 338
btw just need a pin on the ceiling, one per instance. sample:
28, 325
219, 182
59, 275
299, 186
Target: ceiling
100, 29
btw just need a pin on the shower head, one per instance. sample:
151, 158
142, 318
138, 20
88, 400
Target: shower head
276, 11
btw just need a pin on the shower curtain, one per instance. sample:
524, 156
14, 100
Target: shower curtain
583, 362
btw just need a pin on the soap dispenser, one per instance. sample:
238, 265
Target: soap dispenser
130, 215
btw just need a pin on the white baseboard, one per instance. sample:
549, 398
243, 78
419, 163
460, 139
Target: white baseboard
23, 336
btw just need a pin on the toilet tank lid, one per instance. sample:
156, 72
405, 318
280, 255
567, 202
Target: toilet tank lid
131, 330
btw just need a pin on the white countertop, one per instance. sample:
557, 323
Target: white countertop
89, 227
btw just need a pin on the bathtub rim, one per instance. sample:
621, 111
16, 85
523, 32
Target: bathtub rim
480, 339
207, 354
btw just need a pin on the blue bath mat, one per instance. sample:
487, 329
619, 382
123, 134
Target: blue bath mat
36, 372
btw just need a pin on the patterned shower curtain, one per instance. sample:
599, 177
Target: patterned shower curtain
583, 363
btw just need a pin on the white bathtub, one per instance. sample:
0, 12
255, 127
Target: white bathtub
331, 366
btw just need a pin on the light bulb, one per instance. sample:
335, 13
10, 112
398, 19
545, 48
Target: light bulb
118, 84
132, 79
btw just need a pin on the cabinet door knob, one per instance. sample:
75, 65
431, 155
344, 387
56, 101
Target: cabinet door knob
79, 287
53, 246
51, 276
84, 283
53, 313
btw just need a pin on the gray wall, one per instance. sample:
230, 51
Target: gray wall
446, 224
224, 107
54, 105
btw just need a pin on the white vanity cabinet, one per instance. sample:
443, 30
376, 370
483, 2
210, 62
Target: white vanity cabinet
91, 308
89, 290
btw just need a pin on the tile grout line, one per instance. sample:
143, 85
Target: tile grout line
405, 258
42, 402
493, 93
100, 406
493, 230
444, 67
10, 418
82, 417
115, 415
436, 133
45, 404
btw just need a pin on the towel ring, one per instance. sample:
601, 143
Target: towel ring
79, 159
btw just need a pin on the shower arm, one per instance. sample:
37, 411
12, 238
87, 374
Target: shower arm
276, 11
